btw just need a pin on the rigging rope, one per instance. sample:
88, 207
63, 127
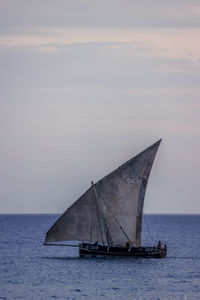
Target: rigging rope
117, 221
91, 222
99, 224
107, 231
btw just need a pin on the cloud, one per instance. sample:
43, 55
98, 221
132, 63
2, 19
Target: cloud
197, 10
179, 43
47, 48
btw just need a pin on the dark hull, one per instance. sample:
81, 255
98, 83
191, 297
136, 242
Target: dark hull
86, 249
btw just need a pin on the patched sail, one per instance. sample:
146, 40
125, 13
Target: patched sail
112, 208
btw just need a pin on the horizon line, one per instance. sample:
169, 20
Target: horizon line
57, 213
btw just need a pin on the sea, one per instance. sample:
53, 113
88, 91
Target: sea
29, 270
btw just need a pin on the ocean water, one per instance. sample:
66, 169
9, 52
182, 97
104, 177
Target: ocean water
29, 270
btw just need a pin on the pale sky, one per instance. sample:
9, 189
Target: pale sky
85, 86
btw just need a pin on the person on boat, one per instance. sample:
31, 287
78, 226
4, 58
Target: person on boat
127, 245
159, 245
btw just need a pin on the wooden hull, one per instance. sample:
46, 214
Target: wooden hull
86, 249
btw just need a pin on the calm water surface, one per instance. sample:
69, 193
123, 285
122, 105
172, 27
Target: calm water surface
29, 270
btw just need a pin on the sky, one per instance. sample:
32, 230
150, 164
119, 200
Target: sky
86, 85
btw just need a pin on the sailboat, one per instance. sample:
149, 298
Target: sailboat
107, 219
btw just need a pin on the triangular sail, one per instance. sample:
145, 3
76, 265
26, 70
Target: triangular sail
121, 195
